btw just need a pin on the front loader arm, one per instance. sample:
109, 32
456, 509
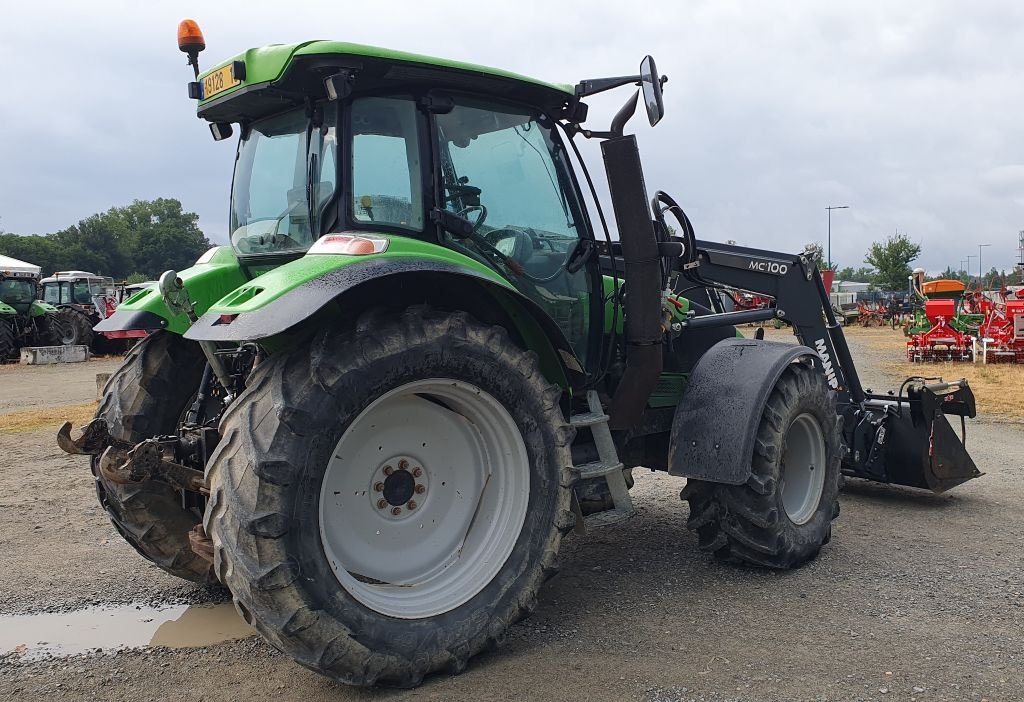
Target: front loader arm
801, 301
895, 438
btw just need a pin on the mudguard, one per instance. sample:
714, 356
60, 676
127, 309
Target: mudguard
39, 308
284, 297
215, 274
715, 424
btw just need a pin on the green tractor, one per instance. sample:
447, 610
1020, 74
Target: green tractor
418, 366
24, 320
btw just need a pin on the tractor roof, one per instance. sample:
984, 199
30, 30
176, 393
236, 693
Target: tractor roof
278, 75
71, 274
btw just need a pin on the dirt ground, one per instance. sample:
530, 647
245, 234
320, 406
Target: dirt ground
917, 597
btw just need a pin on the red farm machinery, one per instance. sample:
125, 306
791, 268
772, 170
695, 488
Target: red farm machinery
871, 314
943, 334
1001, 335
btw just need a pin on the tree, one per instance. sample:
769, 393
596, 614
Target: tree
39, 250
815, 249
162, 236
860, 275
891, 258
145, 237
864, 274
950, 274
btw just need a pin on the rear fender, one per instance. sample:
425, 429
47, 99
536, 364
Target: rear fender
291, 299
39, 308
715, 424
215, 274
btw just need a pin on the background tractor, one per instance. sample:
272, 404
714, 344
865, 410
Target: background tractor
24, 320
83, 300
423, 360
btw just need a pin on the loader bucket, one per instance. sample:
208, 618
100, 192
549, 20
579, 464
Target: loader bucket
921, 448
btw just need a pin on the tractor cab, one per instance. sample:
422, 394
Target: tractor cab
18, 281
376, 146
17, 292
86, 291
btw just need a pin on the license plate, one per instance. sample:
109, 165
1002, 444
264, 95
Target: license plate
219, 81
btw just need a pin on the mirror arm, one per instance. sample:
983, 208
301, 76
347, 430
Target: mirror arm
599, 85
618, 123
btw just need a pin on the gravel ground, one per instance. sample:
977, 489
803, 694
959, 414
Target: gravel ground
918, 597
36, 387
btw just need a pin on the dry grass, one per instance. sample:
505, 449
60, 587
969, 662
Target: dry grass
33, 419
999, 389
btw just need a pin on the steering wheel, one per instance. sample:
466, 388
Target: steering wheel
526, 242
473, 208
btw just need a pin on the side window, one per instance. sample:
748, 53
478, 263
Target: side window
387, 186
80, 292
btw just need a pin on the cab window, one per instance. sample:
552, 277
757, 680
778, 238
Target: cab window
55, 293
387, 186
503, 170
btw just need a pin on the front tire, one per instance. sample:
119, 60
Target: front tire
316, 538
782, 515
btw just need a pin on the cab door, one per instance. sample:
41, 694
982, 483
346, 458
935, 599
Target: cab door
503, 168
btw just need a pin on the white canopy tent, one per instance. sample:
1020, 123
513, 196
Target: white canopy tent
13, 265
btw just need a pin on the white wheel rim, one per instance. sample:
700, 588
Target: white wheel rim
803, 469
471, 493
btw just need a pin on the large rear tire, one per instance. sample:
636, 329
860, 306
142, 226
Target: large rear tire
8, 339
144, 398
51, 329
77, 328
782, 516
322, 456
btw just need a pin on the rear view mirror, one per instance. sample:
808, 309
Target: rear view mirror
651, 82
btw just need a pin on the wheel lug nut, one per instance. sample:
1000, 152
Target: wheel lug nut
378, 487
396, 511
417, 472
403, 464
388, 470
411, 504
381, 504
420, 489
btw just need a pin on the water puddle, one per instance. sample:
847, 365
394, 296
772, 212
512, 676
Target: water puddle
34, 636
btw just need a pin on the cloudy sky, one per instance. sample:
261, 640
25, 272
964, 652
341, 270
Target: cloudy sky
910, 113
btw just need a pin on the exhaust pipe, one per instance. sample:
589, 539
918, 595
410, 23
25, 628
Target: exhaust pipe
642, 281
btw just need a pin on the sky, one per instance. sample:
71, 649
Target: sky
910, 113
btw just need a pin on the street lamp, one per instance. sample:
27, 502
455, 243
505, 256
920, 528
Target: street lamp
830, 208
969, 257
981, 279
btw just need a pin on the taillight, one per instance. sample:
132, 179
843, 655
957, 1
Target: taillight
349, 245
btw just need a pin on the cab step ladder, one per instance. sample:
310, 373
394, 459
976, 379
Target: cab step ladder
608, 465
